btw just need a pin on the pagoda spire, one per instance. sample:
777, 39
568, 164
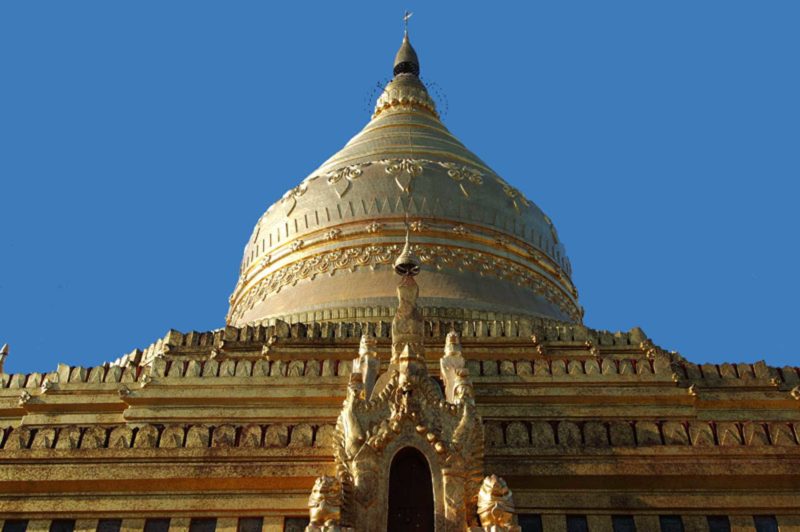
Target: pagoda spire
406, 61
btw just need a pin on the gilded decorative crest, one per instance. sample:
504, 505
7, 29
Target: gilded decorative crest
460, 173
341, 178
333, 234
404, 171
418, 226
517, 198
290, 198
373, 227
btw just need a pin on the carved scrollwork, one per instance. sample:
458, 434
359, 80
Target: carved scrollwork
460, 173
290, 198
404, 171
341, 178
418, 226
517, 198
373, 227
333, 234
437, 257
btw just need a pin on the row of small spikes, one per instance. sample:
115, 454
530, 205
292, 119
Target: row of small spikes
634, 366
544, 330
540, 366
73, 374
436, 327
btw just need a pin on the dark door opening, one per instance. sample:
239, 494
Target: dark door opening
410, 493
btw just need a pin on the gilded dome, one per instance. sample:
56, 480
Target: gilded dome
325, 251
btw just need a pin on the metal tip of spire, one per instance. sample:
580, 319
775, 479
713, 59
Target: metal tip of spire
406, 61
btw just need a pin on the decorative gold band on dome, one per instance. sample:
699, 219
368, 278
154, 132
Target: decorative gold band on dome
439, 257
399, 94
434, 229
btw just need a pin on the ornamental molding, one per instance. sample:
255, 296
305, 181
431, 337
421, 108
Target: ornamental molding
404, 94
438, 257
341, 178
434, 228
405, 171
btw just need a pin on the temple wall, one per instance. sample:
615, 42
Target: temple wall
237, 423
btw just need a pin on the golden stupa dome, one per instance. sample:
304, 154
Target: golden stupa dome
326, 250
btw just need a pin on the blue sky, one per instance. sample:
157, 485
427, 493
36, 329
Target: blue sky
141, 141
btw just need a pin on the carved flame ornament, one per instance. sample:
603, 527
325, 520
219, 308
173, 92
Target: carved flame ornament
401, 408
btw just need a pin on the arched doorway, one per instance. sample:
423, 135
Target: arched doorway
410, 493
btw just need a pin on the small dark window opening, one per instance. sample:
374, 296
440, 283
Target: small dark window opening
530, 522
62, 525
577, 523
670, 523
718, 523
623, 523
250, 524
203, 525
295, 524
15, 525
765, 523
156, 525
109, 525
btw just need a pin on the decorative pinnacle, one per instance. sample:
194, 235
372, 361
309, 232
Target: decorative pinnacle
407, 263
406, 61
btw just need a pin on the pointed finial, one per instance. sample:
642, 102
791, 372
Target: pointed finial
406, 61
407, 263
406, 16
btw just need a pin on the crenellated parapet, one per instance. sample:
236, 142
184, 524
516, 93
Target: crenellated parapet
508, 368
538, 434
167, 436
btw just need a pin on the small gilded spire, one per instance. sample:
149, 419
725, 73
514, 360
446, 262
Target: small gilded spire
406, 61
407, 264
3, 356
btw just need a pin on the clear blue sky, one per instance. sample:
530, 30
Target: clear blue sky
141, 141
